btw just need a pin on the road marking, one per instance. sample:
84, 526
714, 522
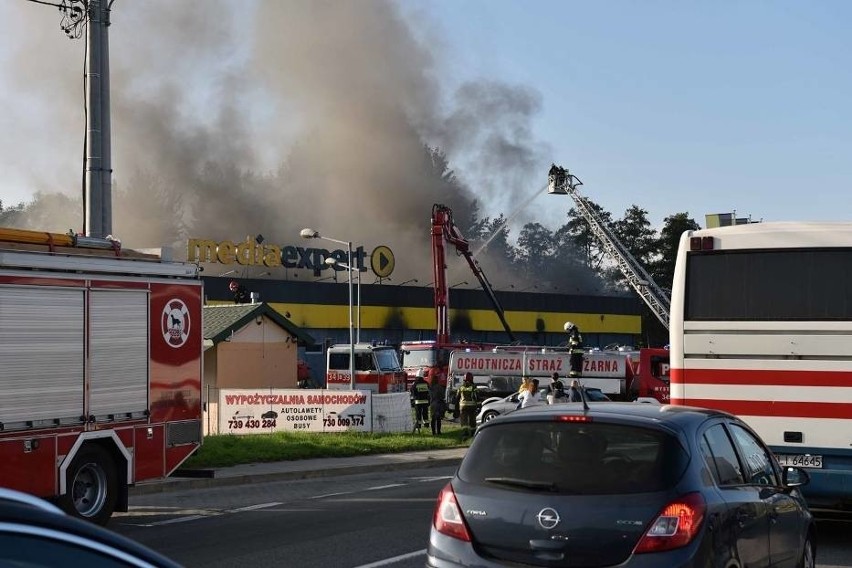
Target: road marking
388, 500
181, 520
435, 478
394, 560
385, 486
324, 495
254, 507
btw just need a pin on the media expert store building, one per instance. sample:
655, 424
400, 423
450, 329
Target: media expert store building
294, 280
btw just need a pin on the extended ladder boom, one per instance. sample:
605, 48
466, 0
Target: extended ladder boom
560, 181
443, 228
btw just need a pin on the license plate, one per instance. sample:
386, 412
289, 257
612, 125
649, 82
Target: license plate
800, 460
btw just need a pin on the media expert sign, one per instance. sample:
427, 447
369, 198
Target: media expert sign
251, 253
290, 410
595, 364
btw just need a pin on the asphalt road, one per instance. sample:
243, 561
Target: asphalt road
344, 521
356, 521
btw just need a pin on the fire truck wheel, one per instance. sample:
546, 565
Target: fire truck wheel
92, 486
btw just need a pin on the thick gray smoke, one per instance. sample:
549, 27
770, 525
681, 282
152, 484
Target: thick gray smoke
236, 118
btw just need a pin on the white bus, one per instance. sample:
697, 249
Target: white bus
761, 327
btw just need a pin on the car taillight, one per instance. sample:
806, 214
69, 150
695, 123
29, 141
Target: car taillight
448, 519
574, 418
675, 526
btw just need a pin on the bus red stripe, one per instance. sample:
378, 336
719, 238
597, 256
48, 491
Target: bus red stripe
762, 377
772, 408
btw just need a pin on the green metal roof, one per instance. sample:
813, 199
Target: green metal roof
221, 321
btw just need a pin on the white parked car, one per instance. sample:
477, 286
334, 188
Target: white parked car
494, 407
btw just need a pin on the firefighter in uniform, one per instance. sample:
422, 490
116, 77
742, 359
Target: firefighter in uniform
241, 295
575, 347
437, 400
466, 403
420, 401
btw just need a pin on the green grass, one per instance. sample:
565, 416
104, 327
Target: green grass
228, 450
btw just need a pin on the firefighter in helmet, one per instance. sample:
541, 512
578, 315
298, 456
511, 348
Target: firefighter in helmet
240, 294
467, 403
575, 348
420, 401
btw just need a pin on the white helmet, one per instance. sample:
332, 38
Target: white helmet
569, 325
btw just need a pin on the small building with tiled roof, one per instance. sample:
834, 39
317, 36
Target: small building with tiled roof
250, 346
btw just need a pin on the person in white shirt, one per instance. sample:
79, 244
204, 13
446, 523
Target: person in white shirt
530, 397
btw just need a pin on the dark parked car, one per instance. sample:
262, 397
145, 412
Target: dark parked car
34, 533
621, 484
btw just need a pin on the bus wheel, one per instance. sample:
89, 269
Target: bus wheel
91, 485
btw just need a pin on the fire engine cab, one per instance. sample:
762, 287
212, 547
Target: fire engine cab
100, 379
377, 368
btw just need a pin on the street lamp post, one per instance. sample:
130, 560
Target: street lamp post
333, 262
312, 234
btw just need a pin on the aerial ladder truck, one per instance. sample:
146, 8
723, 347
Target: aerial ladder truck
432, 357
444, 229
561, 182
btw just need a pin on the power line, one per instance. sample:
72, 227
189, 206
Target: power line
46, 3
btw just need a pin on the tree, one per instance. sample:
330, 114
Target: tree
585, 242
54, 212
636, 235
535, 249
492, 237
662, 270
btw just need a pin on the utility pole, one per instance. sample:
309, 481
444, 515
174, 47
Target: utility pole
93, 17
98, 141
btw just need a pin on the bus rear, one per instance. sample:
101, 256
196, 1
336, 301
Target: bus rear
761, 327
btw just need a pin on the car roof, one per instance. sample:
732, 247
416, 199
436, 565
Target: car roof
675, 417
21, 509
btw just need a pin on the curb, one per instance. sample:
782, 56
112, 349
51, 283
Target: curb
181, 484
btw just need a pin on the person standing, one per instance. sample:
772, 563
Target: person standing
575, 348
466, 402
437, 404
530, 397
557, 392
240, 294
420, 400
574, 394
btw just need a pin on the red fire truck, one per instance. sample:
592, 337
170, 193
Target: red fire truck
620, 374
651, 376
376, 367
100, 379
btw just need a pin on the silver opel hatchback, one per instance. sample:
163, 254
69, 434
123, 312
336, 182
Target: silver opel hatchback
621, 484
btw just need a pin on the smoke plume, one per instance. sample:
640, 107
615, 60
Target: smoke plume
236, 118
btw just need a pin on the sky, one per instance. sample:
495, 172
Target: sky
697, 107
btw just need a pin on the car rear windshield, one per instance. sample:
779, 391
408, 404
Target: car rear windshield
588, 458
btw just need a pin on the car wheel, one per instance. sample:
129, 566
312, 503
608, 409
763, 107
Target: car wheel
490, 415
808, 558
91, 485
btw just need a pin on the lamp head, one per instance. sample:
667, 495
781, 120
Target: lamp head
309, 234
331, 261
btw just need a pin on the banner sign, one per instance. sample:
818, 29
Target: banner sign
596, 364
251, 411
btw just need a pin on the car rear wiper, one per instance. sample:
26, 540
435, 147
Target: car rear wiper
525, 483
